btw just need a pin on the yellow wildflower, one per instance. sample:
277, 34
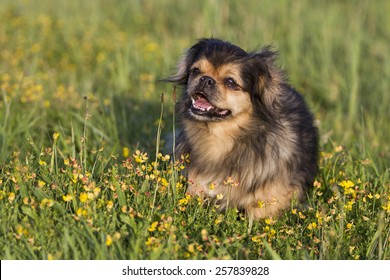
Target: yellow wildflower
83, 197
41, 184
219, 219
125, 152
349, 205
140, 157
191, 248
96, 191
56, 135
11, 197
338, 149
387, 207
26, 200
346, 184
110, 204
108, 240
46, 203
312, 226
164, 182
257, 239
185, 200
319, 217
153, 226
67, 197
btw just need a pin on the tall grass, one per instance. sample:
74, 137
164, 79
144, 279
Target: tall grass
81, 170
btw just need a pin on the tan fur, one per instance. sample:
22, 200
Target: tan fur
215, 140
252, 145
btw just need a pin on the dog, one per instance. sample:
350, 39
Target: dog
251, 139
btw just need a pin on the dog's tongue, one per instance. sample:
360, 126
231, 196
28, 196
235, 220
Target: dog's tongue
202, 103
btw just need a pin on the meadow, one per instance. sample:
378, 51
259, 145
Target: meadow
83, 124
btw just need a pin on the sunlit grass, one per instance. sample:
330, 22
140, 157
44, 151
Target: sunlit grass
83, 171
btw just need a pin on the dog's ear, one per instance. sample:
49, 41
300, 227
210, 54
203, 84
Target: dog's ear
183, 67
266, 78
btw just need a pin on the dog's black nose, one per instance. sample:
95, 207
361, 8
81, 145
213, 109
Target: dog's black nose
207, 81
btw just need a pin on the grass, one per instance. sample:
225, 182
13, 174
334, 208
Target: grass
83, 172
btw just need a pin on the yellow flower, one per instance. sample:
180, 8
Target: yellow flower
67, 197
219, 196
56, 135
153, 226
219, 219
346, 184
319, 217
96, 191
110, 204
185, 200
164, 182
75, 178
338, 149
41, 183
387, 207
125, 152
83, 197
46, 203
191, 248
81, 212
349, 225
260, 204
108, 240
11, 197
317, 184
42, 162
140, 157
349, 205
312, 226
257, 239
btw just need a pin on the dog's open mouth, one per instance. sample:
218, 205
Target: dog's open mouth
201, 106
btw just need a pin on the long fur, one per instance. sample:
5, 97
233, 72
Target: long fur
261, 156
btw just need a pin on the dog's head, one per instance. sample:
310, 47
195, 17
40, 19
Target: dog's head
222, 81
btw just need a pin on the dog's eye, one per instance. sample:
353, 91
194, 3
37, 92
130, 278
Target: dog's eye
231, 83
195, 71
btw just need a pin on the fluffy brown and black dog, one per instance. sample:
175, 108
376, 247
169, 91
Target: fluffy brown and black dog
250, 137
